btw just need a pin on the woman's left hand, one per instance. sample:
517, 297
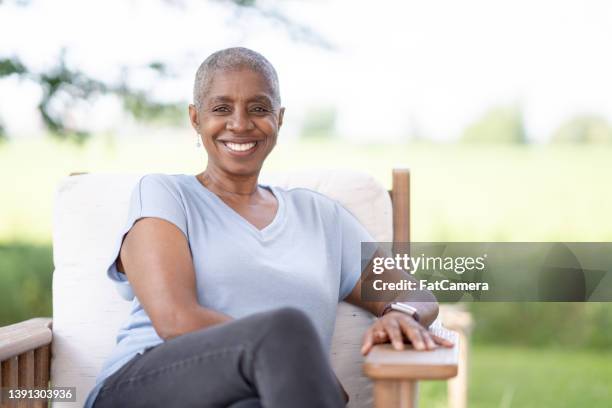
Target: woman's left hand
394, 326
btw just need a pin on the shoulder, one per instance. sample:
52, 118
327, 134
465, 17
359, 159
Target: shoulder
301, 194
163, 183
304, 199
162, 189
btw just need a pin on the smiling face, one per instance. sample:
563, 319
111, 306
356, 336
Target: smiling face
238, 122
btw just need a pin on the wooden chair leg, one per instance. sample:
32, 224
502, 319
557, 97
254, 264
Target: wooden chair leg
458, 386
459, 320
395, 393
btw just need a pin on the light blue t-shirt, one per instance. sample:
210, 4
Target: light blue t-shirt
308, 257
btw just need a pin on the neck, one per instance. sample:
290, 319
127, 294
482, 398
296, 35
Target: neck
224, 184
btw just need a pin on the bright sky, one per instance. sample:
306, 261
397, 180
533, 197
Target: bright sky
396, 66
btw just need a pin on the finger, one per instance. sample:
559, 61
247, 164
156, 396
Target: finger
413, 334
429, 343
395, 334
380, 336
441, 340
367, 342
417, 339
376, 334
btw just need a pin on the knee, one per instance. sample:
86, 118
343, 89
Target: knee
290, 322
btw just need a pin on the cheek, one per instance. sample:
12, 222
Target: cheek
268, 126
212, 126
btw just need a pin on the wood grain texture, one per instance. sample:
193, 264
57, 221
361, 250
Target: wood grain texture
384, 362
400, 197
42, 360
10, 378
26, 376
395, 394
24, 336
10, 368
457, 318
26, 369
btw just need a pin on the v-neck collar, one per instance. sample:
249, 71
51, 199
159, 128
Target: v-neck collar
266, 232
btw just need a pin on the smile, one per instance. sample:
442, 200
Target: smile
240, 147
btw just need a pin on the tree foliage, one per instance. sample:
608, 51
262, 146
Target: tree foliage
584, 129
503, 125
63, 87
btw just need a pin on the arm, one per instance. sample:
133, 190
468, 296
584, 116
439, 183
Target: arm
423, 300
394, 325
156, 259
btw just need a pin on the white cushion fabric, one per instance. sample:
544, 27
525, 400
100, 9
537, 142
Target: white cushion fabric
90, 211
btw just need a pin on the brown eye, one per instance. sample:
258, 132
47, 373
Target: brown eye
221, 109
259, 109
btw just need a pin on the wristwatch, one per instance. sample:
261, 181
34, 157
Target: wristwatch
401, 307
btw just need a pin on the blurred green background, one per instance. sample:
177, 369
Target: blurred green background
524, 354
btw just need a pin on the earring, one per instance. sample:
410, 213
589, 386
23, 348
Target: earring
198, 142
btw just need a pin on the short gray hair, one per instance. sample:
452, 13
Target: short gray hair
232, 59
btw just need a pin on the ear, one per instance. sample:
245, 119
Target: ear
281, 115
193, 117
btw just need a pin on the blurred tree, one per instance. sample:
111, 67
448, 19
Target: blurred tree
319, 123
584, 129
63, 86
498, 125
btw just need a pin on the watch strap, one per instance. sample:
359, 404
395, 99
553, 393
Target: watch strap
402, 308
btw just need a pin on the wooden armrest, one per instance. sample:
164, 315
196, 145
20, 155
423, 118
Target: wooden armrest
24, 336
25, 356
383, 362
396, 373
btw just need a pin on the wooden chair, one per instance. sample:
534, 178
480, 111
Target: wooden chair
26, 347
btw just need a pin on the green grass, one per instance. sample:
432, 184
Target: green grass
460, 193
531, 377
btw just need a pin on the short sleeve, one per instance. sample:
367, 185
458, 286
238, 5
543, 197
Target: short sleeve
155, 195
353, 234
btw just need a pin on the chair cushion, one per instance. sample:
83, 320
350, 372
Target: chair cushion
89, 213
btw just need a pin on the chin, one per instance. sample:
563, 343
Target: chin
242, 169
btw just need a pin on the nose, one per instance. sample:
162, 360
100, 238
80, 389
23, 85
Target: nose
239, 122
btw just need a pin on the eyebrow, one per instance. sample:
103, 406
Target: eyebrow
227, 99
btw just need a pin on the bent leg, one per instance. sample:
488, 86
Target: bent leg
292, 367
247, 403
275, 356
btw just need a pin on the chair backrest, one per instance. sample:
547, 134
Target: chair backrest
89, 213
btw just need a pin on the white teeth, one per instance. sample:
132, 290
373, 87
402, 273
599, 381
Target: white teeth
240, 147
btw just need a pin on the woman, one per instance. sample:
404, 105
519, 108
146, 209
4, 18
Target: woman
237, 283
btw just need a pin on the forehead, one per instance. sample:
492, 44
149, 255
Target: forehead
238, 84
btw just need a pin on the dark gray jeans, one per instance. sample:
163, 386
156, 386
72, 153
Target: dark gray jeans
270, 359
